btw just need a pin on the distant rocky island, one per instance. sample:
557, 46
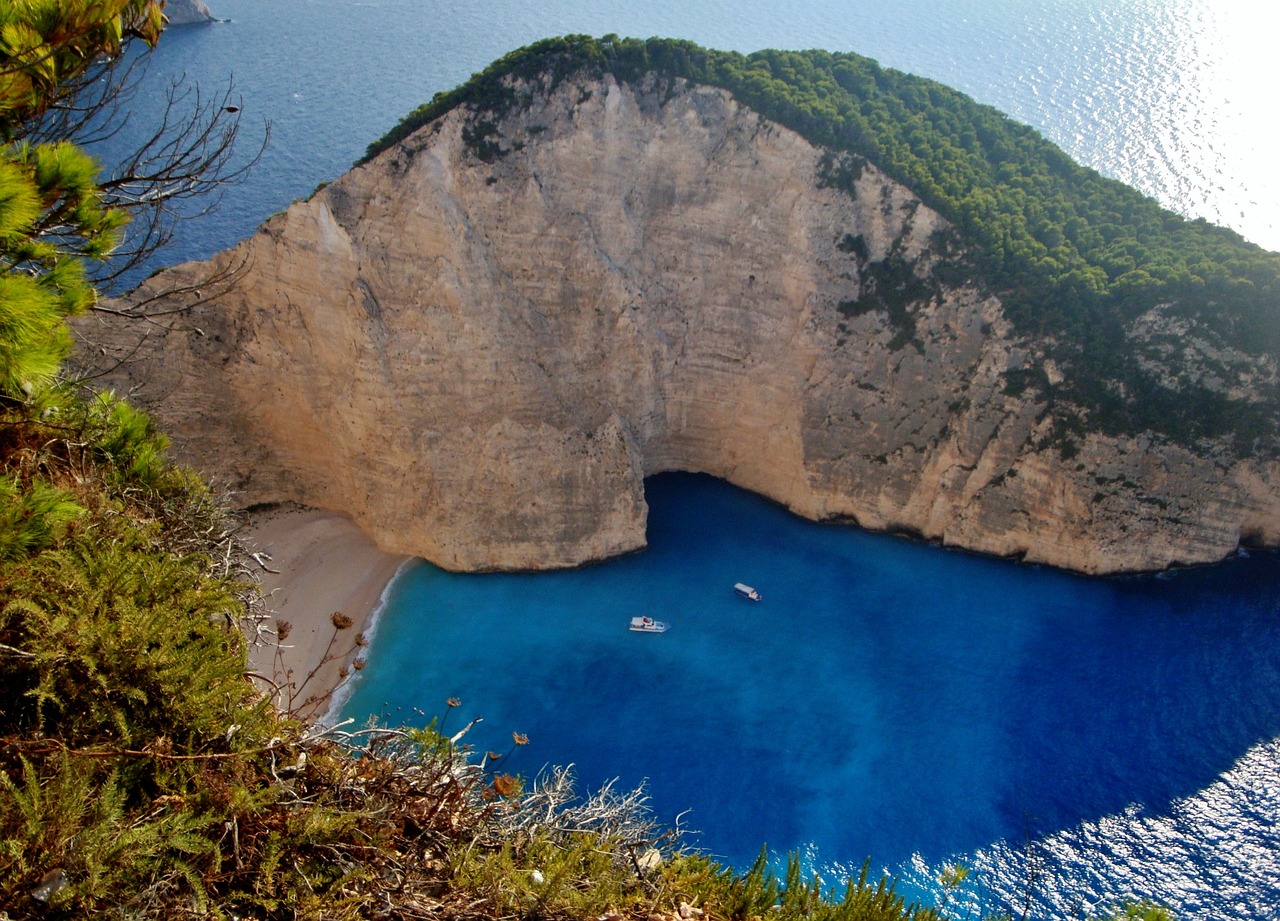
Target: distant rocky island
187, 12
854, 291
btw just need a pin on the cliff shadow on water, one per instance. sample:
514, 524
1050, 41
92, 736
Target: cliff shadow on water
886, 698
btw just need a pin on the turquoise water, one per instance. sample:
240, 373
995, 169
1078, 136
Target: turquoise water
887, 699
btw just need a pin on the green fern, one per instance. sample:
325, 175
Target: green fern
123, 644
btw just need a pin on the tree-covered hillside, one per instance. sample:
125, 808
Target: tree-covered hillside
1077, 259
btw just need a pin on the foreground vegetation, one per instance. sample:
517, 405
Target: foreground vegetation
144, 771
1075, 257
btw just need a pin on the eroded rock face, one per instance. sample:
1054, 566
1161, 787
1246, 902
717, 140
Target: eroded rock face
479, 344
187, 12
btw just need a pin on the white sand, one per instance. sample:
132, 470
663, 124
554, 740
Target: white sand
325, 564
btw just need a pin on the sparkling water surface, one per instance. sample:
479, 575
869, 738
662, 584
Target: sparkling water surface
888, 699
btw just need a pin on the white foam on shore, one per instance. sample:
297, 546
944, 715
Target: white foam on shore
342, 693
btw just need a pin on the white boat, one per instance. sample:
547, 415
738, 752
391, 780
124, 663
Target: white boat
746, 591
647, 625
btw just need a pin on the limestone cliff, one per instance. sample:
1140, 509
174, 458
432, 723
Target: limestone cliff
481, 341
186, 12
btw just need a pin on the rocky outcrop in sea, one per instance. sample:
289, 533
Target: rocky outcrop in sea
187, 12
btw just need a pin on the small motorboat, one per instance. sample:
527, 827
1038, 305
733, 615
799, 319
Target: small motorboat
647, 625
746, 591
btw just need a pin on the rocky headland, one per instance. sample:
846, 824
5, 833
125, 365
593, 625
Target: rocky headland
187, 12
479, 342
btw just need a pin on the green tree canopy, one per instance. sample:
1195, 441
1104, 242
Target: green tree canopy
52, 213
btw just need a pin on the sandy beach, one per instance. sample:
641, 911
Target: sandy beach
315, 563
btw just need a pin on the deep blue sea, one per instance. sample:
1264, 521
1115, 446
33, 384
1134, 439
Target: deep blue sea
1074, 740
887, 700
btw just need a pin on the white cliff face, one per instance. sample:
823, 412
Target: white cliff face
481, 361
186, 12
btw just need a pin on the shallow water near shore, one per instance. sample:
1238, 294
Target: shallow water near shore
887, 699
